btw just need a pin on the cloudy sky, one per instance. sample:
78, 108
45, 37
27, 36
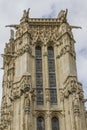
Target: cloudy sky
11, 13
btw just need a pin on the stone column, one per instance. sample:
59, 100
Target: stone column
48, 120
77, 121
27, 113
27, 120
62, 124
76, 112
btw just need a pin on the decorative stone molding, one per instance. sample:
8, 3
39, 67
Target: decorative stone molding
16, 94
22, 86
61, 95
71, 85
25, 48
39, 113
4, 120
43, 34
65, 28
76, 104
27, 102
48, 114
66, 49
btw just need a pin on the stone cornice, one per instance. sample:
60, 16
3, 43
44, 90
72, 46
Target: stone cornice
44, 21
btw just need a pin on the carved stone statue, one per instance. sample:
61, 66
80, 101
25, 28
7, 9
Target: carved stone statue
26, 13
29, 97
62, 15
27, 100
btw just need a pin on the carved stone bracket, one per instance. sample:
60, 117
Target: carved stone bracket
22, 86
73, 86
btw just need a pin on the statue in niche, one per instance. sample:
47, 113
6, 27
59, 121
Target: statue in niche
27, 99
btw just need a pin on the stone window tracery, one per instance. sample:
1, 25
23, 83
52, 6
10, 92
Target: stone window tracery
39, 80
40, 123
52, 76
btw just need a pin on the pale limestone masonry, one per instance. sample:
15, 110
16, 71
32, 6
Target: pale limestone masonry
19, 109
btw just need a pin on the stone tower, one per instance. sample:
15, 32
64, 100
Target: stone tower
40, 85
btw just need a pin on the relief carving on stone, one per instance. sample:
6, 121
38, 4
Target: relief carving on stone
25, 48
73, 86
44, 34
48, 114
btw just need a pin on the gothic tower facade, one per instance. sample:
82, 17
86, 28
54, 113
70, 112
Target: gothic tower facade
40, 85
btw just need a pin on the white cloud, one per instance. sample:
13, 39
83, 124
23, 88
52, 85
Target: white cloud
11, 12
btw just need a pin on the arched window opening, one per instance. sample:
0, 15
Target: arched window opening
55, 123
52, 76
39, 80
40, 123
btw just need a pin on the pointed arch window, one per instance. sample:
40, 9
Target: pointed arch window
39, 80
40, 123
52, 76
55, 123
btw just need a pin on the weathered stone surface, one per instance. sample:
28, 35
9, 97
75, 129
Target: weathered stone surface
19, 109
